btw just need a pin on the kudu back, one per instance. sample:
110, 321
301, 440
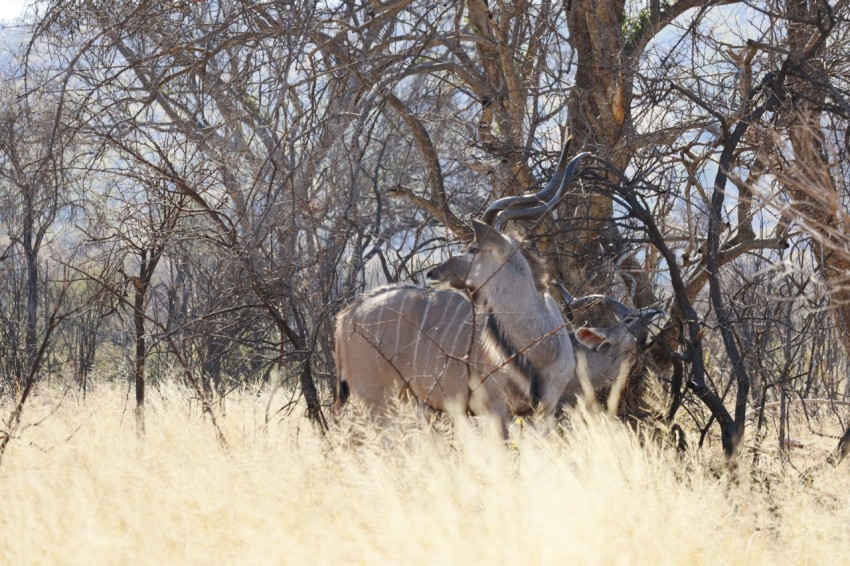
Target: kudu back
498, 347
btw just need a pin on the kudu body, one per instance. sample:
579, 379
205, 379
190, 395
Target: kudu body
498, 347
507, 351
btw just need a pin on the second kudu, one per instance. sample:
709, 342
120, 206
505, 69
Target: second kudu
605, 355
499, 347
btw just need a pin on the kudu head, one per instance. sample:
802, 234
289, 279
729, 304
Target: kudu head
631, 328
493, 252
638, 329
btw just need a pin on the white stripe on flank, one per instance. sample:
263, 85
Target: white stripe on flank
435, 338
401, 317
422, 331
458, 331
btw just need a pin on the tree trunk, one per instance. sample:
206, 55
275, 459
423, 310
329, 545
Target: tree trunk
586, 243
139, 357
31, 256
141, 284
598, 111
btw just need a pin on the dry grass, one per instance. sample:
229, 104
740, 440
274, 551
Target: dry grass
78, 488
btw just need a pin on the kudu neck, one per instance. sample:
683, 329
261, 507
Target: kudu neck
509, 295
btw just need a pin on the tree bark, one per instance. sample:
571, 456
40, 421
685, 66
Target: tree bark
31, 250
598, 113
147, 264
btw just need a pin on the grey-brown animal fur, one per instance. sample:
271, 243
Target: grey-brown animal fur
426, 361
507, 351
501, 348
605, 355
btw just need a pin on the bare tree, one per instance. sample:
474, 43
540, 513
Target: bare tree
32, 172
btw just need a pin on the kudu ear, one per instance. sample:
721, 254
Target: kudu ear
486, 234
592, 338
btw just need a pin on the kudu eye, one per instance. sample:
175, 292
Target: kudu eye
473, 249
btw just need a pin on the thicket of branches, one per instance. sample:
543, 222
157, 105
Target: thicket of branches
194, 189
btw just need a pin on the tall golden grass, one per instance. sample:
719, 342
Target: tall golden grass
78, 487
